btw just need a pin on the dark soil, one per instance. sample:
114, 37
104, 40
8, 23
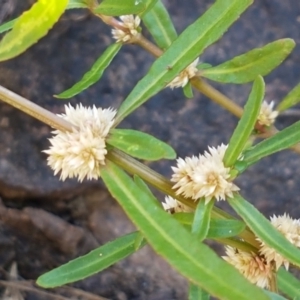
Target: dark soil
45, 222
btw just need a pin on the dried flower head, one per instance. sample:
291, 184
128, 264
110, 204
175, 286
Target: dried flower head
171, 205
254, 267
267, 115
204, 176
290, 228
184, 76
130, 26
81, 152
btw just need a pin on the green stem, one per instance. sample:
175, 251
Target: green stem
164, 185
273, 283
239, 244
214, 95
147, 45
197, 83
34, 110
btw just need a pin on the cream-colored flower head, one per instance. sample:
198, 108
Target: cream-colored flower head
204, 176
267, 115
255, 268
184, 76
130, 25
171, 205
81, 152
182, 176
290, 228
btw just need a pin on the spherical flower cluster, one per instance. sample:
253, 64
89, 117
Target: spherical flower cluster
204, 176
130, 25
184, 76
267, 115
254, 267
81, 152
258, 268
171, 205
290, 228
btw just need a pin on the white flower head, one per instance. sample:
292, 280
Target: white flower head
267, 115
81, 152
204, 176
173, 206
182, 176
130, 25
254, 267
290, 228
184, 76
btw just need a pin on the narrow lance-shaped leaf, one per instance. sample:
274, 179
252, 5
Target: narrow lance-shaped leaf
191, 258
196, 38
143, 186
196, 293
77, 4
218, 228
91, 263
201, 222
188, 91
203, 66
282, 140
140, 145
274, 296
31, 26
8, 25
263, 229
291, 99
248, 66
288, 284
159, 24
246, 124
149, 5
119, 8
94, 74
71, 4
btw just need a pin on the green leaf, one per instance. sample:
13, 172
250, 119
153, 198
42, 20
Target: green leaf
8, 25
120, 8
91, 263
201, 222
140, 145
218, 228
248, 66
246, 124
264, 229
143, 186
274, 296
31, 26
195, 38
225, 228
196, 293
203, 66
77, 4
291, 99
284, 139
149, 5
188, 91
159, 24
94, 74
288, 284
71, 4
139, 241
194, 260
